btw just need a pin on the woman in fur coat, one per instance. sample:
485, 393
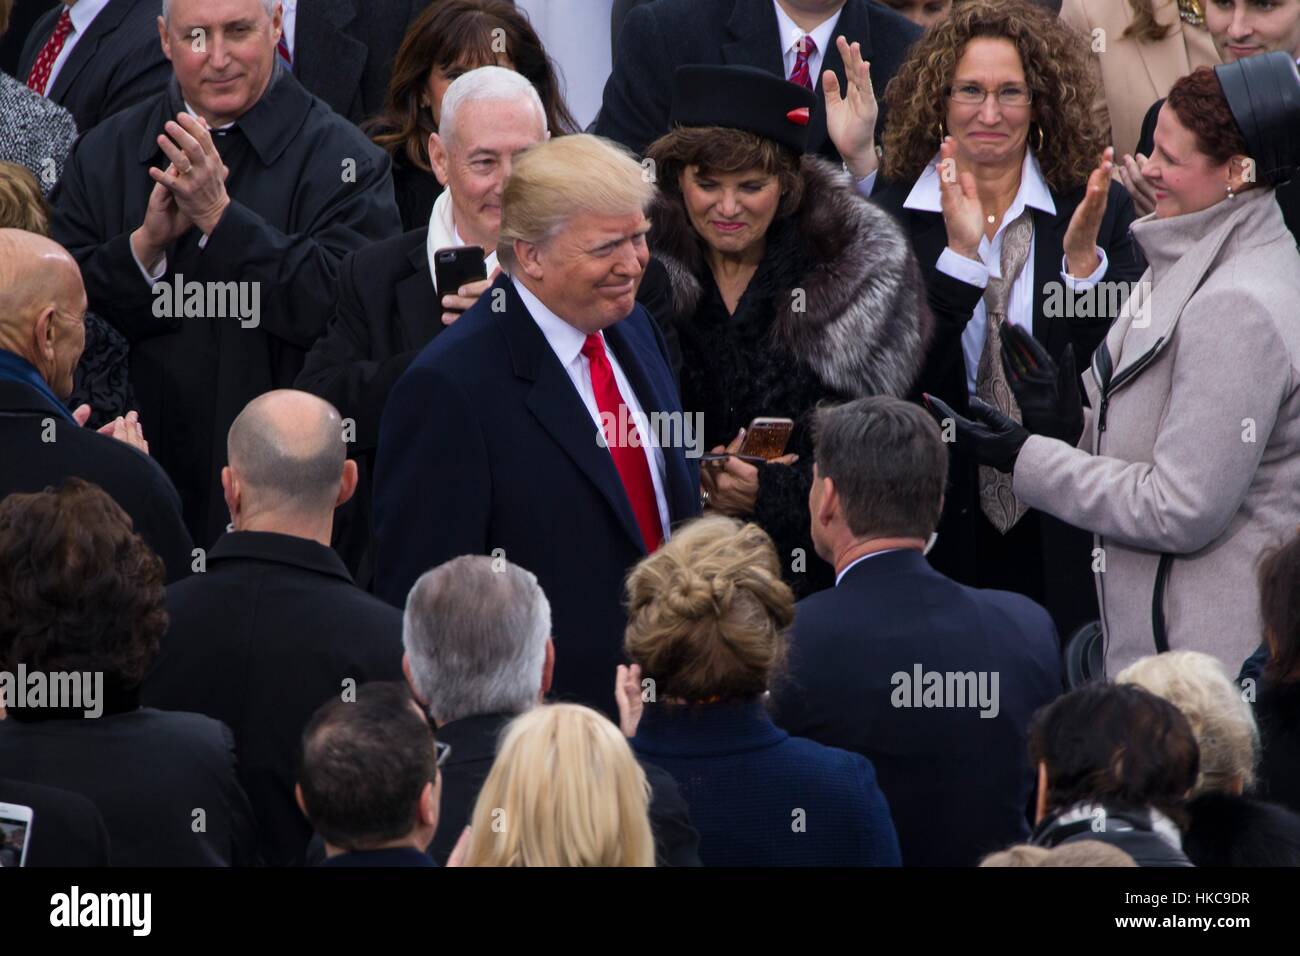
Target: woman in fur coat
778, 287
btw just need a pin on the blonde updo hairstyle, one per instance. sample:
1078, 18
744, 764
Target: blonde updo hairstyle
708, 612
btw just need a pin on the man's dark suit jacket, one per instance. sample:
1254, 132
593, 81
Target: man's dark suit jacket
1058, 553
344, 49
473, 742
958, 783
486, 447
658, 38
387, 311
117, 63
1288, 194
268, 633
67, 829
31, 463
149, 772
394, 856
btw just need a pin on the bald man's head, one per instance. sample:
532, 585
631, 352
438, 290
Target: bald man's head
286, 451
42, 306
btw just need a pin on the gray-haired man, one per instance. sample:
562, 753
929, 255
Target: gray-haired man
477, 632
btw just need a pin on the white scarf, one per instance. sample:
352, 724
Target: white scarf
443, 235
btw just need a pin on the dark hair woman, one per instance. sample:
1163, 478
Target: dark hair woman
781, 286
1190, 455
449, 38
82, 606
989, 152
1277, 707
1116, 764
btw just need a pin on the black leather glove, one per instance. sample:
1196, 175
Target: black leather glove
991, 438
1049, 398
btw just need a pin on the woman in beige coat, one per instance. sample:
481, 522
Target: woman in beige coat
1188, 466
1140, 47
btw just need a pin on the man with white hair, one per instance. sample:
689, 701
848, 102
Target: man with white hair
209, 222
388, 306
274, 625
528, 429
477, 633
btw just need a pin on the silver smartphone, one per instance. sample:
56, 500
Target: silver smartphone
15, 834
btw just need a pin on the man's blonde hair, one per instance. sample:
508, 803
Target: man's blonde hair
565, 790
1221, 719
554, 181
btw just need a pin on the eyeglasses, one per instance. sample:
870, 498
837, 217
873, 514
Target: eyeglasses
441, 752
968, 94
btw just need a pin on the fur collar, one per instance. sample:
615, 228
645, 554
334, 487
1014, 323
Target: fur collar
864, 324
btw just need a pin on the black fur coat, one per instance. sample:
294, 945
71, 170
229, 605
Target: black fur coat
836, 311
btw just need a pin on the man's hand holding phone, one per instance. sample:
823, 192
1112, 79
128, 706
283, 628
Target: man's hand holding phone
465, 296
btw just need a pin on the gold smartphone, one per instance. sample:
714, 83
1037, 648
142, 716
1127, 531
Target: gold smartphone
766, 438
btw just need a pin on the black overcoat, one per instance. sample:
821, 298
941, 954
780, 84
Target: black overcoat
306, 188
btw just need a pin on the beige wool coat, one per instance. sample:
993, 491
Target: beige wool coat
1135, 74
1189, 463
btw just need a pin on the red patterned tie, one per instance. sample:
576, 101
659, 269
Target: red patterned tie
801, 74
631, 457
282, 47
40, 74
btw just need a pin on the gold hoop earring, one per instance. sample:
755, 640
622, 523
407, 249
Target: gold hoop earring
943, 134
1040, 138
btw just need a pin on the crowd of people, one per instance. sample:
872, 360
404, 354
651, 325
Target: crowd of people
873, 441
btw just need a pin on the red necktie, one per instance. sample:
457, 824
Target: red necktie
282, 47
631, 457
40, 74
800, 74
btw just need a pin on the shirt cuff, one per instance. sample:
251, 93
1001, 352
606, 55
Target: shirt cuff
1078, 285
963, 269
149, 277
867, 184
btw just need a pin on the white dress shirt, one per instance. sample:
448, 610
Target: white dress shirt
856, 561
566, 342
289, 24
790, 32
1033, 193
80, 13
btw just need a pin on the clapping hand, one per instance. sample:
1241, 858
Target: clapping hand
962, 216
1049, 398
1081, 235
125, 428
851, 116
1138, 186
627, 694
990, 438
197, 176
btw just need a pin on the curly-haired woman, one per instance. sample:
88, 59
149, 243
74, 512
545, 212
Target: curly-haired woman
994, 104
81, 605
1189, 462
